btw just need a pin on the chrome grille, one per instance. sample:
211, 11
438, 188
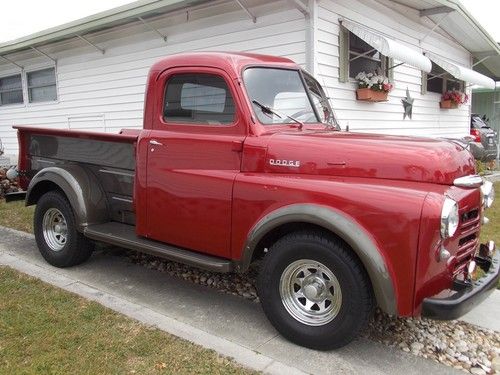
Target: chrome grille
468, 238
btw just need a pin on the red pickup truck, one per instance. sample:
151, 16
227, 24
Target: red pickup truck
240, 161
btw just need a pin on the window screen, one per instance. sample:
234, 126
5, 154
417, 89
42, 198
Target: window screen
42, 85
363, 57
11, 90
198, 99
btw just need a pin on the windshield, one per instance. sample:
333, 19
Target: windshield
321, 101
283, 92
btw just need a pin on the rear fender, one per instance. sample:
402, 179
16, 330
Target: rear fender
82, 189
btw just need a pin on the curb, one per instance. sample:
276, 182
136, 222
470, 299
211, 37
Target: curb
240, 354
493, 177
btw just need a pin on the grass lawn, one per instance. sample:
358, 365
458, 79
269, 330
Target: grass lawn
45, 330
15, 215
492, 230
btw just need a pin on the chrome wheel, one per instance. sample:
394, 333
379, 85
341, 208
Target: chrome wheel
310, 292
55, 229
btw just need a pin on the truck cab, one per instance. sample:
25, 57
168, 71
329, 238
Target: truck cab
241, 161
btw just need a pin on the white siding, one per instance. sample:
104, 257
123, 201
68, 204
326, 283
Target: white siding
106, 92
387, 117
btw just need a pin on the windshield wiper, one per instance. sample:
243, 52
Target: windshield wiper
267, 109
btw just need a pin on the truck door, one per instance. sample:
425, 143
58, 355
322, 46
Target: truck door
194, 155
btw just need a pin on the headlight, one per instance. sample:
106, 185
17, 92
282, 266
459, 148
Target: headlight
449, 218
488, 193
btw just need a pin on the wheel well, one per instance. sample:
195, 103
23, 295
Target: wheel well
40, 189
275, 234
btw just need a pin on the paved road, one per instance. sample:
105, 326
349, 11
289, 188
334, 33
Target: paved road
228, 324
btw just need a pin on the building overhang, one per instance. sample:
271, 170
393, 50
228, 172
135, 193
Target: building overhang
137, 10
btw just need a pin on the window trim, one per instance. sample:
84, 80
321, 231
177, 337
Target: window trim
386, 63
27, 87
20, 104
193, 125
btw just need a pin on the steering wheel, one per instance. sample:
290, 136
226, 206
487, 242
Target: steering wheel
311, 117
300, 113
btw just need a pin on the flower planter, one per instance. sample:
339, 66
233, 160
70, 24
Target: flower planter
369, 95
379, 96
364, 94
448, 104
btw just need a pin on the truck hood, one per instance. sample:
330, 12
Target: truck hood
368, 155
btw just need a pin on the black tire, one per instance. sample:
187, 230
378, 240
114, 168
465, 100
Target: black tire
71, 251
357, 302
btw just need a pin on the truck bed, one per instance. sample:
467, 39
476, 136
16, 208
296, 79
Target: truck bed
109, 157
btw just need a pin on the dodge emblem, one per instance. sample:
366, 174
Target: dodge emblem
285, 163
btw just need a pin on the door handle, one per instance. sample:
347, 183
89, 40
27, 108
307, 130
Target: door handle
155, 143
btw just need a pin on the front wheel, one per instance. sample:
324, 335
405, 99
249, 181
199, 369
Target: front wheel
314, 290
56, 235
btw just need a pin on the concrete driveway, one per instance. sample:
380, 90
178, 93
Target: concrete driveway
228, 324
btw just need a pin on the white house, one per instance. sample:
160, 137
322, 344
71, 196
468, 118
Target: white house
91, 73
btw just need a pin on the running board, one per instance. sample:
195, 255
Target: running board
123, 235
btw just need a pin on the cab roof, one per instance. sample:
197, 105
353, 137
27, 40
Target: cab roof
231, 62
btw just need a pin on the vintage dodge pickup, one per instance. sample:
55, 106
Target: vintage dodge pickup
241, 161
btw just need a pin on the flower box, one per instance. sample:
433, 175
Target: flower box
452, 99
369, 95
448, 104
364, 94
372, 87
379, 96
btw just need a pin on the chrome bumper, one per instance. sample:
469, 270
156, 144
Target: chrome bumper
468, 294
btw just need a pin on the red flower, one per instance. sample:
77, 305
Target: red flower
456, 97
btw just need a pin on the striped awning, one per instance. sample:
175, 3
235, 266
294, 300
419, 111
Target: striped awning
389, 47
462, 73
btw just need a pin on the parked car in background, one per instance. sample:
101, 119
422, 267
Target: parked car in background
484, 145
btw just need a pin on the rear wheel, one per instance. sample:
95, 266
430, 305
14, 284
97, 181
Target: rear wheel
314, 291
56, 235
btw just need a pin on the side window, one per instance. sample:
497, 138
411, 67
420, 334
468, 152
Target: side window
439, 81
198, 99
11, 90
358, 56
42, 85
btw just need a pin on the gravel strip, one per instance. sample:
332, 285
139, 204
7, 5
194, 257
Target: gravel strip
453, 343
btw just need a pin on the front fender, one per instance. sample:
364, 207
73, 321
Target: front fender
345, 228
81, 188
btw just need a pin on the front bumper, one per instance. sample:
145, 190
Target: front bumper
466, 296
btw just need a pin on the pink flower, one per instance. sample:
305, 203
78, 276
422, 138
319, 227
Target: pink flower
387, 87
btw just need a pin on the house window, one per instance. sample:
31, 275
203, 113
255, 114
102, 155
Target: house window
42, 85
357, 56
198, 99
11, 90
440, 81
